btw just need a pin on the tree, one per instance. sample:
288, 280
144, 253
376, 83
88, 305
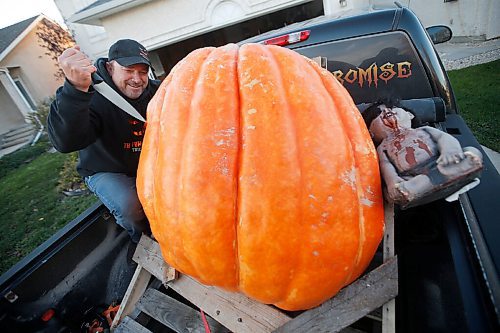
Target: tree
55, 40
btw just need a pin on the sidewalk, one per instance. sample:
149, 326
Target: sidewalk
12, 149
493, 156
460, 55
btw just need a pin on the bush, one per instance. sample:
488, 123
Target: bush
39, 117
11, 162
69, 179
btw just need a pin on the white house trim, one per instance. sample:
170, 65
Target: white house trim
224, 11
93, 15
14, 92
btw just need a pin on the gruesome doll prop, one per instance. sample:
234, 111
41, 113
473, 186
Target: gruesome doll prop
420, 165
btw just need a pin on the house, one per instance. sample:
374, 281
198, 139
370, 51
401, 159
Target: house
27, 77
170, 29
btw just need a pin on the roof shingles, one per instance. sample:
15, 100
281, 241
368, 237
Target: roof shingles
10, 33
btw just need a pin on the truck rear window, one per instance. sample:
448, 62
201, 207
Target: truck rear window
374, 67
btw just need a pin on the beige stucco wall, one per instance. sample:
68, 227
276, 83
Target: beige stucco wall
334, 7
465, 18
10, 116
476, 19
35, 69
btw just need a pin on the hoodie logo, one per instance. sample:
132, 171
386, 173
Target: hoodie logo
135, 146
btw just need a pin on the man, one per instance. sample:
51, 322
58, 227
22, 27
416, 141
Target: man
108, 139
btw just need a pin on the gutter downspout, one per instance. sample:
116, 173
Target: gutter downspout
41, 128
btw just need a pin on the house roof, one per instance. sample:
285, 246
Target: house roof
94, 4
10, 33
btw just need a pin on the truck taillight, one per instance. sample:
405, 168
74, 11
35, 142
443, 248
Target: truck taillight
288, 39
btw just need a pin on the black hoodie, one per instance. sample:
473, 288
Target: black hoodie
107, 138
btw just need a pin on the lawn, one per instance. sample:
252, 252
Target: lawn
32, 208
477, 90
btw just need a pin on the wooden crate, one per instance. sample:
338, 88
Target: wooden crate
234, 312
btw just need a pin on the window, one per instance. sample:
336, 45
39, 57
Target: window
376, 66
25, 93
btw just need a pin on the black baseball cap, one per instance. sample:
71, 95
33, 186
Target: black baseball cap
128, 52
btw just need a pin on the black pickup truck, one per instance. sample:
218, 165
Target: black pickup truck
448, 253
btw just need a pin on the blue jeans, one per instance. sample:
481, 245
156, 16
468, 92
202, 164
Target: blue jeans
118, 193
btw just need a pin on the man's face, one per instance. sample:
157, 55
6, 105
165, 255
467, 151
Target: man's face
131, 80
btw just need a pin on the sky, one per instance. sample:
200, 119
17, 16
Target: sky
14, 11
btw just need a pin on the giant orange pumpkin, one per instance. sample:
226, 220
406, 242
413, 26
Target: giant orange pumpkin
258, 175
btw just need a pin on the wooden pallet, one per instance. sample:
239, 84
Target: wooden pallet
234, 312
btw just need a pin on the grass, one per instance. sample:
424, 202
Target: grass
477, 90
13, 161
31, 209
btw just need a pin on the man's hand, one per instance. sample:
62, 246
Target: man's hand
77, 68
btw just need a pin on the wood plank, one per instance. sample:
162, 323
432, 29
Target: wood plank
389, 317
375, 315
389, 308
351, 303
135, 289
389, 250
351, 330
128, 325
148, 254
233, 310
174, 314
